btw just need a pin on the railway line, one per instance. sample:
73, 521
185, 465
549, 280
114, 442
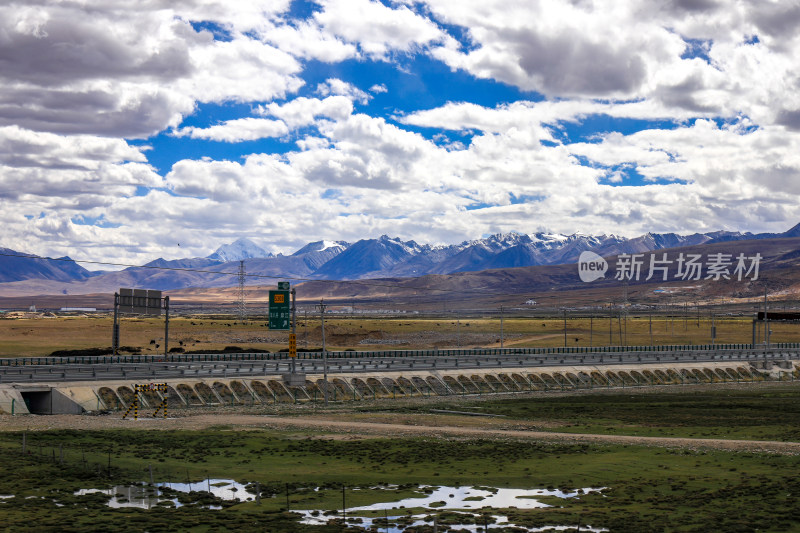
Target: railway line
79, 384
241, 365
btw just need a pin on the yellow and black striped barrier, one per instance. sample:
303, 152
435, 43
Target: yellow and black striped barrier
140, 388
134, 404
162, 405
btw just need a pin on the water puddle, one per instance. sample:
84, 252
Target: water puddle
145, 496
475, 498
456, 500
470, 522
461, 504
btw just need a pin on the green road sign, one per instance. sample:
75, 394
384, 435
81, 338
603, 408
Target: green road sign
283, 285
279, 310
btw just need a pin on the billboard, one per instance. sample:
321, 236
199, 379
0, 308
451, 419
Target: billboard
140, 302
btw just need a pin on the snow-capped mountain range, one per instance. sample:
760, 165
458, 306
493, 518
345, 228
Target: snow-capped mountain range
383, 257
238, 250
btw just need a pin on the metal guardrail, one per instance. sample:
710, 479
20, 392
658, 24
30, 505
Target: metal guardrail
281, 356
153, 369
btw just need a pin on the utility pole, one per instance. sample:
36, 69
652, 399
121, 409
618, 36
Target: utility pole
166, 326
625, 310
240, 306
766, 319
672, 315
293, 339
321, 307
565, 328
686, 315
713, 328
501, 327
626, 326
115, 330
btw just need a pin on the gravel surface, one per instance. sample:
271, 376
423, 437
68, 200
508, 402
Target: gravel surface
333, 424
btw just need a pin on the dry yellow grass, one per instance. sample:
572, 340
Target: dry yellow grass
43, 335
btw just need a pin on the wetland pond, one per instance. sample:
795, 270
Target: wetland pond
145, 496
461, 504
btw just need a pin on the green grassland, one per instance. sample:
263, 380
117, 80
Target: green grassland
690, 488
648, 489
762, 412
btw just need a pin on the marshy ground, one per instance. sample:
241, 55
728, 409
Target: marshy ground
701, 458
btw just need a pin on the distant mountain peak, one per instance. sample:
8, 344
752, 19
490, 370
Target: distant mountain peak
322, 246
384, 256
333, 244
793, 232
19, 266
241, 248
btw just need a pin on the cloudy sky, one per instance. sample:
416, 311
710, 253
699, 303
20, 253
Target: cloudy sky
165, 128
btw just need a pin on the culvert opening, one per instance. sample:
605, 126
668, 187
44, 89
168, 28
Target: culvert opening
47, 401
38, 402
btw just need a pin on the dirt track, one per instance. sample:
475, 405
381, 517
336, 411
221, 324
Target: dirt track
335, 425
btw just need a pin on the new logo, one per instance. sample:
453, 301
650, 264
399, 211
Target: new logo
591, 267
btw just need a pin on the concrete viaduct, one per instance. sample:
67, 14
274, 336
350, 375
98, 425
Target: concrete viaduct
79, 384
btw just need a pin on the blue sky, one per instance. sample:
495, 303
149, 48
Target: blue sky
418, 83
134, 129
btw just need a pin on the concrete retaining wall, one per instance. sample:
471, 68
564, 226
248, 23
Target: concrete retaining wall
79, 397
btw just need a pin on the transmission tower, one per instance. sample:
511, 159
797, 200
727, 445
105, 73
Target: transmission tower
241, 309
